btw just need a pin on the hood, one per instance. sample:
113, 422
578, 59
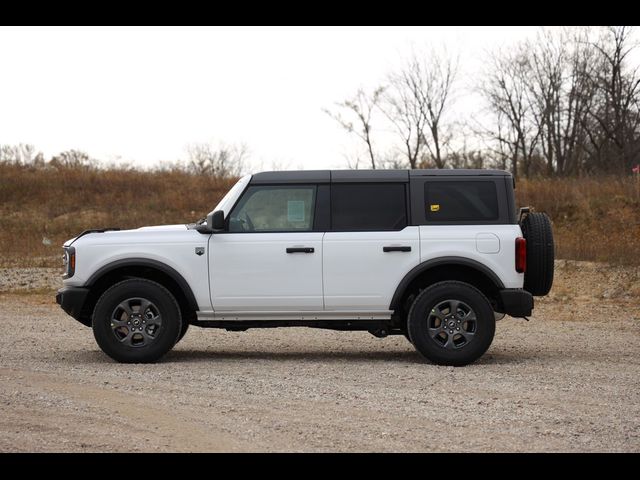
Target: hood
161, 228
115, 232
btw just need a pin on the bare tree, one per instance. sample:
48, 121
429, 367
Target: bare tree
72, 159
560, 95
22, 153
564, 103
504, 88
355, 116
614, 126
223, 161
416, 101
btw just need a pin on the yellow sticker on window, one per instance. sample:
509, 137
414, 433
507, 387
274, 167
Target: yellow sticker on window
435, 207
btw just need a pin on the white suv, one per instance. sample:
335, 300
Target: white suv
436, 255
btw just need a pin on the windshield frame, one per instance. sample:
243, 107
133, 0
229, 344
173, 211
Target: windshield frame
230, 198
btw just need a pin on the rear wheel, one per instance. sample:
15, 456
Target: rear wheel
451, 323
136, 321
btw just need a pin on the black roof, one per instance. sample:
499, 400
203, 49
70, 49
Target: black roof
336, 176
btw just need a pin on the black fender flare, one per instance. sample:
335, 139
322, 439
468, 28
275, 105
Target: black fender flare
436, 262
147, 262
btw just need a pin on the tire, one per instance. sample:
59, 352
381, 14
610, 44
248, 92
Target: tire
136, 321
183, 331
538, 278
451, 301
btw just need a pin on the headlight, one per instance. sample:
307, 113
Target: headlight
69, 262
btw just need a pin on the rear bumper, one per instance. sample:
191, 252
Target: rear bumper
72, 300
516, 302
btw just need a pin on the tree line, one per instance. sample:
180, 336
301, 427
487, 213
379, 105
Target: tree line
219, 160
564, 103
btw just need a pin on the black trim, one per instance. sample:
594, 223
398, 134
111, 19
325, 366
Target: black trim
300, 250
429, 264
147, 262
369, 176
509, 187
322, 220
72, 299
456, 172
515, 302
355, 176
344, 325
300, 176
396, 249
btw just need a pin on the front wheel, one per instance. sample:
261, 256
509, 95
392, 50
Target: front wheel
183, 331
136, 321
451, 323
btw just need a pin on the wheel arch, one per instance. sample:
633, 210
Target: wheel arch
446, 268
149, 269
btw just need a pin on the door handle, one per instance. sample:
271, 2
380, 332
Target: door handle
396, 249
300, 250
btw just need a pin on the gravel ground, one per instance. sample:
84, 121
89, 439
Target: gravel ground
28, 279
565, 381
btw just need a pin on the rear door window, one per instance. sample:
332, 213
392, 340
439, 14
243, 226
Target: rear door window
368, 206
461, 201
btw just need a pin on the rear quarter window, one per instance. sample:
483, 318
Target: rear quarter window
461, 201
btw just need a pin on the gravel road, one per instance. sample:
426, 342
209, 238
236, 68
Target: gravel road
565, 381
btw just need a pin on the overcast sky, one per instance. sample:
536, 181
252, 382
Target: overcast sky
143, 94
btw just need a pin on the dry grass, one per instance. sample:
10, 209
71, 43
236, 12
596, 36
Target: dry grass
594, 219
57, 204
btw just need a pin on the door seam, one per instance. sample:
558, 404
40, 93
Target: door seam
322, 268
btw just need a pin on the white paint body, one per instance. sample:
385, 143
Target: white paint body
252, 272
250, 275
359, 275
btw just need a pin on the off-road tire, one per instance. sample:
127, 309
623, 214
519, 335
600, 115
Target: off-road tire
183, 331
538, 278
164, 338
471, 345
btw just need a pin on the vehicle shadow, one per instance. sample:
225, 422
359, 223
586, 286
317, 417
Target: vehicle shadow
296, 356
318, 356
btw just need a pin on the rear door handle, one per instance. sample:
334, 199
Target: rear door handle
300, 250
396, 249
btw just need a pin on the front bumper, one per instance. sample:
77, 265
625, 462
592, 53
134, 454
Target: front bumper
72, 300
515, 302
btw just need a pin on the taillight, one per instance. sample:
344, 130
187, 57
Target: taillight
521, 255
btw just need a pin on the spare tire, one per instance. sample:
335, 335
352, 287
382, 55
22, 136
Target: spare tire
538, 278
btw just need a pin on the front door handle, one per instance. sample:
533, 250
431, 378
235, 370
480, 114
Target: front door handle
396, 249
300, 250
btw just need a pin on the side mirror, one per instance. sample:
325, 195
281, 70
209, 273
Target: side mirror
216, 221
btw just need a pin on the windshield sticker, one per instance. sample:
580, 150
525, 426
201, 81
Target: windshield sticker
295, 210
